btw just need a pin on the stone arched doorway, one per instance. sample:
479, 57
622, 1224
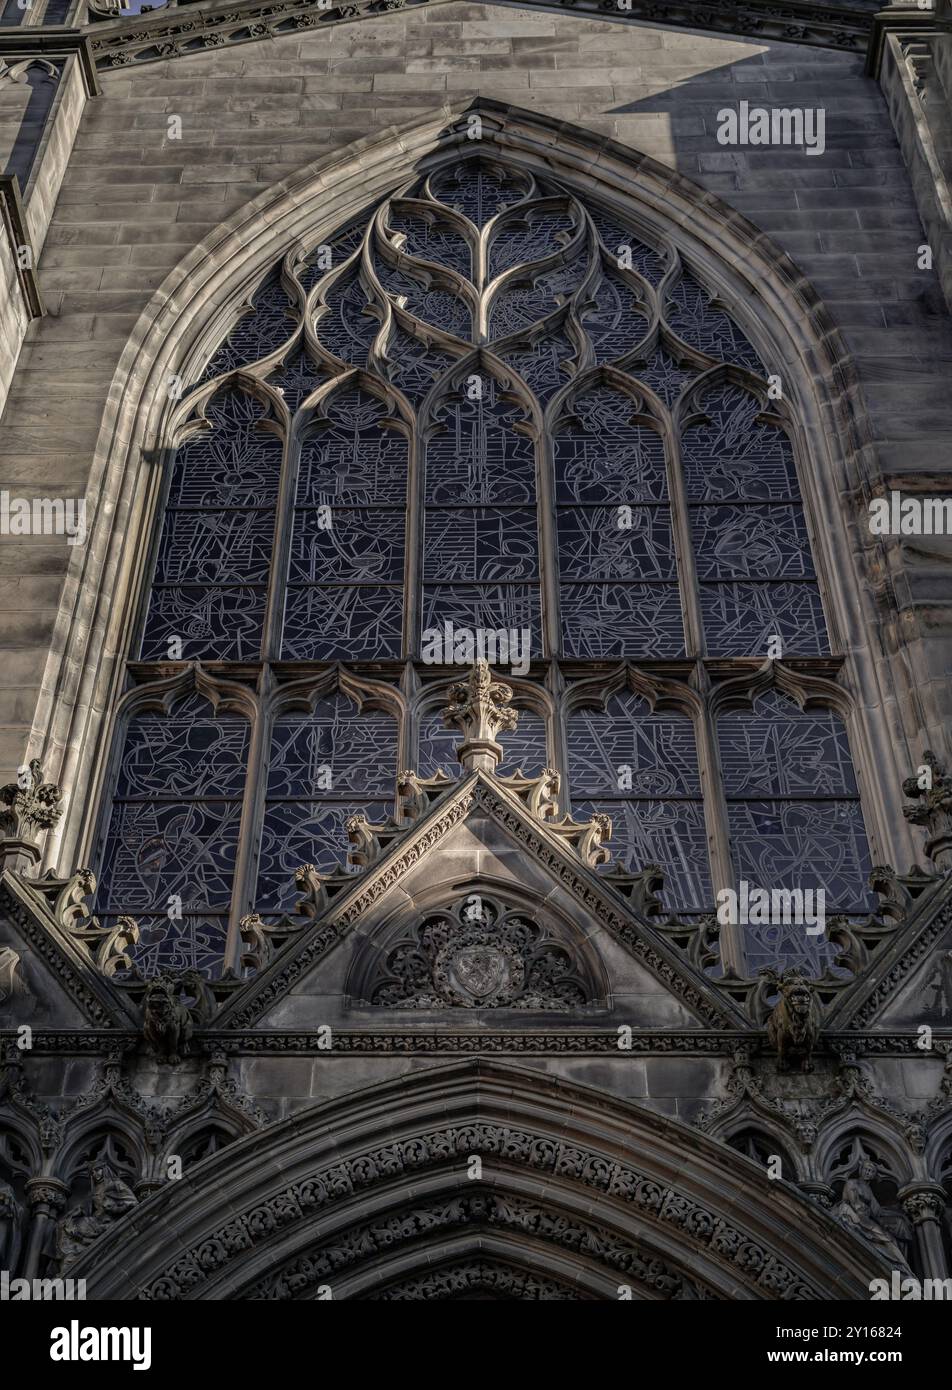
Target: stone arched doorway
478, 1180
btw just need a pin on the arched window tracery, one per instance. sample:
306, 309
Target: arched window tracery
440, 415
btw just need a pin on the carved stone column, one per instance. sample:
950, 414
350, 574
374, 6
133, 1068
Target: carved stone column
924, 1204
47, 1198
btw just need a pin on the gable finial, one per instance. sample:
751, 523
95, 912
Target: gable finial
479, 708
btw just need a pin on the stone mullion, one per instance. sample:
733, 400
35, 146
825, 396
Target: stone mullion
252, 812
413, 561
281, 548
712, 783
547, 529
716, 822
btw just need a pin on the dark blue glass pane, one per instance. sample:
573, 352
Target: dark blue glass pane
779, 750
524, 746
431, 238
345, 546
517, 306
592, 545
189, 624
669, 833
486, 607
479, 545
412, 366
663, 375
297, 379
529, 236
626, 751
740, 619
691, 314
235, 464
437, 307
478, 190
617, 240
734, 457
337, 751
803, 844
193, 942
544, 366
751, 542
605, 457
352, 459
216, 547
342, 624
341, 245
475, 454
344, 324
186, 754
260, 332
297, 833
156, 850
617, 319
780, 945
611, 620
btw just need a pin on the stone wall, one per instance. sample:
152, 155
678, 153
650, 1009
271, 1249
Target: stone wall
134, 202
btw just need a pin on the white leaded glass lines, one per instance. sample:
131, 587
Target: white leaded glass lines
323, 767
642, 769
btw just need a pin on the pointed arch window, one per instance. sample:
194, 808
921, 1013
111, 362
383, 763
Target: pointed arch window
493, 403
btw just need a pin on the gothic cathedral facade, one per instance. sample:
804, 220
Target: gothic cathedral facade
565, 914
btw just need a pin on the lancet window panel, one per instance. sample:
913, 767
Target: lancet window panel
170, 847
480, 562
618, 569
642, 769
751, 547
795, 818
324, 766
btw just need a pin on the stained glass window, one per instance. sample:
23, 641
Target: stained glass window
487, 404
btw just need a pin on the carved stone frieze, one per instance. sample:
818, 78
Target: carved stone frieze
492, 1278
329, 1261
173, 33
752, 1263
